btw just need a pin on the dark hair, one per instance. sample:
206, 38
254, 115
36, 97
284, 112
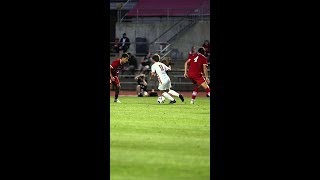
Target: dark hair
124, 55
156, 58
201, 50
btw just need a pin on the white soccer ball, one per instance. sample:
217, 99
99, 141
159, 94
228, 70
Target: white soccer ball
161, 99
145, 93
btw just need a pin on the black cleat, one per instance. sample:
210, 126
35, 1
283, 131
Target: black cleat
181, 97
172, 102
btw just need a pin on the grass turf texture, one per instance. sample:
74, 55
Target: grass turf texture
152, 141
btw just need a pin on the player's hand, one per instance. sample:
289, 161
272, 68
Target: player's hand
112, 79
208, 80
185, 75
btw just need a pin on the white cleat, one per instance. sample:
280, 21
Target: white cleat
117, 101
192, 101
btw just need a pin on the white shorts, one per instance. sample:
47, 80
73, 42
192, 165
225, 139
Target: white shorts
165, 85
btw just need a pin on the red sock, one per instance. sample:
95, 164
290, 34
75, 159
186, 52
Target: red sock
195, 92
208, 91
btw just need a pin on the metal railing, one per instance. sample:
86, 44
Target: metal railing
168, 14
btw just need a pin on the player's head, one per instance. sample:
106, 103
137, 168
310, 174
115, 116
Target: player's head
125, 57
201, 50
156, 57
124, 35
193, 49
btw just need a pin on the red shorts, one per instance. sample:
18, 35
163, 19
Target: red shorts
116, 81
197, 79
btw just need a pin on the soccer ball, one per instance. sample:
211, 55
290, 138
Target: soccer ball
161, 99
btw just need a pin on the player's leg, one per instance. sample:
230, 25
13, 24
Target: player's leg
174, 93
167, 95
194, 94
206, 87
117, 90
138, 88
164, 89
195, 90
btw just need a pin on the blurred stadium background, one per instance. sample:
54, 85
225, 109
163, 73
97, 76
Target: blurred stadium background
167, 27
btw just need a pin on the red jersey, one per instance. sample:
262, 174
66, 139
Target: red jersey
116, 67
196, 64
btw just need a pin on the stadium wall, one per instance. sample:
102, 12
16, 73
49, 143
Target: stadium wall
196, 35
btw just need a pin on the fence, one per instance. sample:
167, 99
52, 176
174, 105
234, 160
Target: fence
161, 14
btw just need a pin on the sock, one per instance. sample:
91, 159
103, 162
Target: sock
166, 95
174, 93
208, 91
117, 92
195, 92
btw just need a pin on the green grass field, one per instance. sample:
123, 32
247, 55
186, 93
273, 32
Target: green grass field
151, 141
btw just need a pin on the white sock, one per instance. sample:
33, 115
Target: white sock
166, 95
174, 93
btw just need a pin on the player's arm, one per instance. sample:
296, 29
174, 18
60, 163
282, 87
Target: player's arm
205, 71
152, 74
144, 82
112, 78
168, 68
153, 71
185, 68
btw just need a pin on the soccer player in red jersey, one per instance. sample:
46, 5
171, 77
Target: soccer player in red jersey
198, 67
115, 67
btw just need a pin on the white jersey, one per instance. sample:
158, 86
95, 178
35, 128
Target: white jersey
161, 70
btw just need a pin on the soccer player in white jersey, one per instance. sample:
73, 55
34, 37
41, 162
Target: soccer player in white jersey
164, 80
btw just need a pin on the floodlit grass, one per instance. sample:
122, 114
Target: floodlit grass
151, 141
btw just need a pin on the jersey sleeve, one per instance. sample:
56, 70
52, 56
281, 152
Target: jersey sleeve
167, 68
153, 69
115, 64
204, 60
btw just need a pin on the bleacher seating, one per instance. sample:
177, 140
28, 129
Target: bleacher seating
160, 8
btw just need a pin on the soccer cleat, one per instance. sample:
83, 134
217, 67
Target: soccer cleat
192, 101
172, 102
181, 97
117, 101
